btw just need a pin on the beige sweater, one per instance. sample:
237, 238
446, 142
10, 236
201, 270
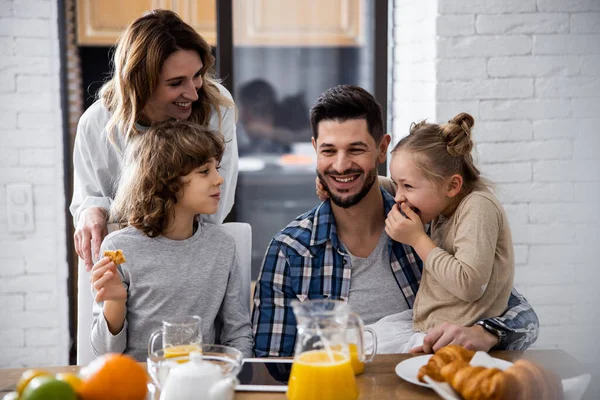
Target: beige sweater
469, 276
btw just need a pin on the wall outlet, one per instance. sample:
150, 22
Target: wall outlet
19, 203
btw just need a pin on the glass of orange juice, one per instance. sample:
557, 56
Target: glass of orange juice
180, 336
356, 345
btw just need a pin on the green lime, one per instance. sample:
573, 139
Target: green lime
48, 388
27, 376
11, 396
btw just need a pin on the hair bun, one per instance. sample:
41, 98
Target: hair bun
457, 134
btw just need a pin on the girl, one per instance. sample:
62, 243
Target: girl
162, 70
468, 257
175, 265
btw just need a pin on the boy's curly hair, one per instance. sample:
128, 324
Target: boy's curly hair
153, 166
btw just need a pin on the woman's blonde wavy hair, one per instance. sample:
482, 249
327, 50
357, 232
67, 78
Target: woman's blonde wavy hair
153, 166
139, 56
443, 150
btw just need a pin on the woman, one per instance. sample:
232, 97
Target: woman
163, 70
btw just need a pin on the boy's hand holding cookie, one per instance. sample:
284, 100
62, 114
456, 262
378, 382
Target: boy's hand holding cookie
106, 280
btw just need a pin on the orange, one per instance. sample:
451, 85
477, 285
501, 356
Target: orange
73, 380
115, 377
48, 388
27, 376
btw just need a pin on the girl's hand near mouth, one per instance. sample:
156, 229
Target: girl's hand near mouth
404, 225
415, 210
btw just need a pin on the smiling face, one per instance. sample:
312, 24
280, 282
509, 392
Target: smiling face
347, 159
419, 193
179, 82
201, 191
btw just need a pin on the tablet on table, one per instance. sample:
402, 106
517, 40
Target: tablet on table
264, 374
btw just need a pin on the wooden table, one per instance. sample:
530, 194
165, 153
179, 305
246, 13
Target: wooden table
379, 380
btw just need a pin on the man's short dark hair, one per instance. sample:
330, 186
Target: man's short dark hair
345, 102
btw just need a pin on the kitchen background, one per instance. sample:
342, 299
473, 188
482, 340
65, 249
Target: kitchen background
282, 60
528, 70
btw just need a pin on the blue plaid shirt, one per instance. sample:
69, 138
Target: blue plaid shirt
307, 260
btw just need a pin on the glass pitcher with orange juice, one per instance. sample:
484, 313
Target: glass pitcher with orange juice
322, 367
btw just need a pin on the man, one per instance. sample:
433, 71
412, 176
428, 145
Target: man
339, 249
257, 132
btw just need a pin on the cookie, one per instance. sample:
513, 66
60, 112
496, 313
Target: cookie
115, 256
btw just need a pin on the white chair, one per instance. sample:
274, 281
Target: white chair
85, 302
242, 233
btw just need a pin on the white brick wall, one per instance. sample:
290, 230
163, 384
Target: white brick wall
33, 268
529, 72
414, 55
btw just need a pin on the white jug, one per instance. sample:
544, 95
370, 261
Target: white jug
198, 380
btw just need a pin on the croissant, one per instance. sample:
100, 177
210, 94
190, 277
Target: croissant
442, 357
475, 383
524, 380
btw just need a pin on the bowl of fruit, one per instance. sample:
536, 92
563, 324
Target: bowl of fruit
111, 376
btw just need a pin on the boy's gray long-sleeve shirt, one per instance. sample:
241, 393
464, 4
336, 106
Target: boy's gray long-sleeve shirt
166, 278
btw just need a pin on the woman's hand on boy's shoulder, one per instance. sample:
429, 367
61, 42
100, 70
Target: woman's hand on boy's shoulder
91, 229
105, 280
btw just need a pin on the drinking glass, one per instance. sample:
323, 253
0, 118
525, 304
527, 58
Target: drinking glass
180, 336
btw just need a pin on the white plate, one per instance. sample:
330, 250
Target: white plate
409, 368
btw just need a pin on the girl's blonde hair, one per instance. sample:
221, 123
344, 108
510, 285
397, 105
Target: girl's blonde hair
153, 166
139, 56
443, 150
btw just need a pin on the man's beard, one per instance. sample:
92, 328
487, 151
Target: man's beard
347, 202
